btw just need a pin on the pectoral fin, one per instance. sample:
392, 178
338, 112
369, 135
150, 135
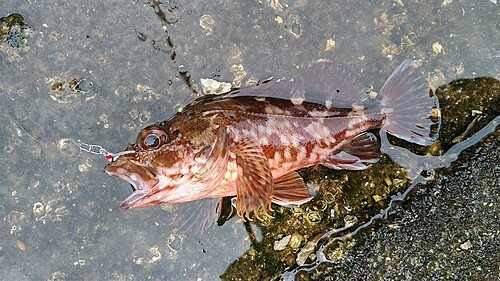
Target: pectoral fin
254, 183
217, 154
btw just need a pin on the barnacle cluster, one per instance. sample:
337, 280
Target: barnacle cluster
14, 31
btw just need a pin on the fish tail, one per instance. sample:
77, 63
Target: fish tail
411, 108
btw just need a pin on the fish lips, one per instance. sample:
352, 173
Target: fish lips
139, 176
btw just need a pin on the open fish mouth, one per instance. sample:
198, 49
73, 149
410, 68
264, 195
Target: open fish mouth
141, 178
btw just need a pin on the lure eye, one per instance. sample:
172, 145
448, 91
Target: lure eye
151, 138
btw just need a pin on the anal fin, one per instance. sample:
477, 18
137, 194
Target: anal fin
290, 190
361, 149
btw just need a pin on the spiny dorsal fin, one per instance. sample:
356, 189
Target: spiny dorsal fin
280, 89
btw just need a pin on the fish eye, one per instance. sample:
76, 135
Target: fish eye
151, 138
152, 141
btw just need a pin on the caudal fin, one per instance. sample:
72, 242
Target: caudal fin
412, 111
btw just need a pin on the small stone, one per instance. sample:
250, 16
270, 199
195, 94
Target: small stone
207, 22
21, 245
214, 87
475, 112
295, 240
305, 252
437, 47
84, 167
280, 245
330, 44
350, 220
446, 2
466, 245
276, 5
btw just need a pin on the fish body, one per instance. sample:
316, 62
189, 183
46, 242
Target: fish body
248, 143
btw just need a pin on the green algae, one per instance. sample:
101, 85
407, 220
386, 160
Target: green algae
467, 101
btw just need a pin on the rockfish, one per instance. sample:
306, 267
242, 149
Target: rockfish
249, 142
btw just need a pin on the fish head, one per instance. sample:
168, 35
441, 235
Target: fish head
169, 162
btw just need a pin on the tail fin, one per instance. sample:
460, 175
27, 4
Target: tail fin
412, 111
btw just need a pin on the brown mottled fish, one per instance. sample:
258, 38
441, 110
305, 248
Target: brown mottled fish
249, 142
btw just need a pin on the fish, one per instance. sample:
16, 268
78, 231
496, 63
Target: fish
248, 143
